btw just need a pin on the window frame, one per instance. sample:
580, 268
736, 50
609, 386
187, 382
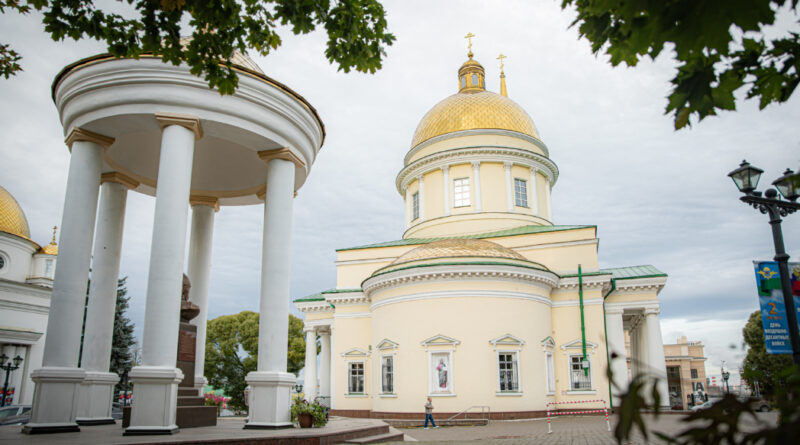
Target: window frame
694, 374
521, 197
363, 392
589, 376
515, 371
550, 372
464, 197
392, 374
451, 379
415, 206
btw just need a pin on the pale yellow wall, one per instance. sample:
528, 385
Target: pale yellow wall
413, 187
462, 171
542, 190
434, 194
493, 185
475, 141
471, 224
349, 333
314, 316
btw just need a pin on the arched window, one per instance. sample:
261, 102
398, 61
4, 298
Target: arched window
463, 81
475, 79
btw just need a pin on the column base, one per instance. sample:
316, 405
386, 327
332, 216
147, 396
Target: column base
55, 400
96, 396
270, 399
154, 400
200, 383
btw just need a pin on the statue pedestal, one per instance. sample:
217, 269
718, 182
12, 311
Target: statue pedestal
187, 339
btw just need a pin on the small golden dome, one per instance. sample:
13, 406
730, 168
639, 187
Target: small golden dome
458, 248
52, 248
12, 218
472, 111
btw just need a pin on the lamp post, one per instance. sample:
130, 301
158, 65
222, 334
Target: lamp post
746, 179
8, 367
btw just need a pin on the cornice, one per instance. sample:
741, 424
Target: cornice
461, 272
344, 298
602, 282
79, 134
281, 153
28, 337
468, 155
463, 133
313, 306
186, 121
119, 178
637, 285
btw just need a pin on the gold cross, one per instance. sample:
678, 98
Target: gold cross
469, 37
54, 233
500, 58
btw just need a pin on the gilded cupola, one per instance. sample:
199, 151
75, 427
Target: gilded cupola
12, 218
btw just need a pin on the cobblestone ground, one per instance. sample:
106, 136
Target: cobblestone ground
588, 430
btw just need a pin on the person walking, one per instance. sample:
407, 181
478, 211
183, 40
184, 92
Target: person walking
429, 414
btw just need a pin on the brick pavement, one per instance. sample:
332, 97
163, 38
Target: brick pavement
578, 430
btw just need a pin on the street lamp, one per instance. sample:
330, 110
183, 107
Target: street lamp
746, 179
8, 367
298, 388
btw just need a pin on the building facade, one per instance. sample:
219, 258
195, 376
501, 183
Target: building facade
484, 301
26, 281
686, 373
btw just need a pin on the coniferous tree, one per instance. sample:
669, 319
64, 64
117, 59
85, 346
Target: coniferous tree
122, 341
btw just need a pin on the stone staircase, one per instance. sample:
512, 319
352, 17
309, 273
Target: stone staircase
391, 435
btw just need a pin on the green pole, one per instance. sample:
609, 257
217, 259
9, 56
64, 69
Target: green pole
583, 325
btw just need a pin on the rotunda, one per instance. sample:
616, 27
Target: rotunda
485, 301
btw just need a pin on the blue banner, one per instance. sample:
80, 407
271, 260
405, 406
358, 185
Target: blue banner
773, 311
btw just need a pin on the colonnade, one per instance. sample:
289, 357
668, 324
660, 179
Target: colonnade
67, 395
646, 349
477, 200
311, 388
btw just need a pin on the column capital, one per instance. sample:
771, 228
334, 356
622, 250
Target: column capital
652, 311
307, 329
421, 178
184, 120
507, 165
475, 164
79, 134
284, 153
204, 201
445, 169
119, 178
614, 310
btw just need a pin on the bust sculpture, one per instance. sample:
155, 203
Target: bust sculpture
189, 310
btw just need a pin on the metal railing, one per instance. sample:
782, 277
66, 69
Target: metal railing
484, 413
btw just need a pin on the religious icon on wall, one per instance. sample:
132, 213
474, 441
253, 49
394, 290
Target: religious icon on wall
440, 375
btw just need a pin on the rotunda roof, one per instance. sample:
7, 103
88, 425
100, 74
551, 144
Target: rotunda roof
473, 110
458, 248
12, 218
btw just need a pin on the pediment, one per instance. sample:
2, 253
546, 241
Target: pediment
355, 352
440, 340
577, 344
507, 340
548, 342
387, 344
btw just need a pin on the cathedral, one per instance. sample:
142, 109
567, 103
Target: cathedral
484, 301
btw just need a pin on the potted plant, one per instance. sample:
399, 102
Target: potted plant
308, 414
212, 399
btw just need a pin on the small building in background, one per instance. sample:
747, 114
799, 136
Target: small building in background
686, 373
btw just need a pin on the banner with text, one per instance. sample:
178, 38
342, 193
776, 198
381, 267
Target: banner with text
773, 311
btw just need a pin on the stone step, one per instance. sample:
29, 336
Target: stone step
392, 436
187, 392
406, 423
191, 401
194, 416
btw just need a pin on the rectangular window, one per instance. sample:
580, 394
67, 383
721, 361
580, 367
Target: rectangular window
355, 378
415, 205
48, 268
520, 192
507, 362
694, 373
387, 374
461, 194
579, 379
551, 373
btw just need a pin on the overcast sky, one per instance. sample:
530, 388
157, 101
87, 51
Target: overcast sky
657, 196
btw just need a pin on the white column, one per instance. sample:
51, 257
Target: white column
271, 385
616, 345
534, 194
409, 208
199, 273
97, 391
548, 189
657, 365
310, 383
446, 189
476, 174
156, 380
325, 365
55, 399
421, 197
509, 187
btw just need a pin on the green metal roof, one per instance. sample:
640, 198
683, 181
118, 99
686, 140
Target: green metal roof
320, 296
524, 230
630, 272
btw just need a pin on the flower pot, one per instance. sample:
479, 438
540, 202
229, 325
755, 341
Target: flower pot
306, 420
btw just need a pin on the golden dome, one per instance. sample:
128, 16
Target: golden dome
458, 248
12, 218
471, 111
52, 248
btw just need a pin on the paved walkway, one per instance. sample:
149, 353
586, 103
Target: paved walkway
586, 430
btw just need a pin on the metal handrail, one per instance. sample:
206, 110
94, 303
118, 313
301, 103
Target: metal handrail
485, 412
